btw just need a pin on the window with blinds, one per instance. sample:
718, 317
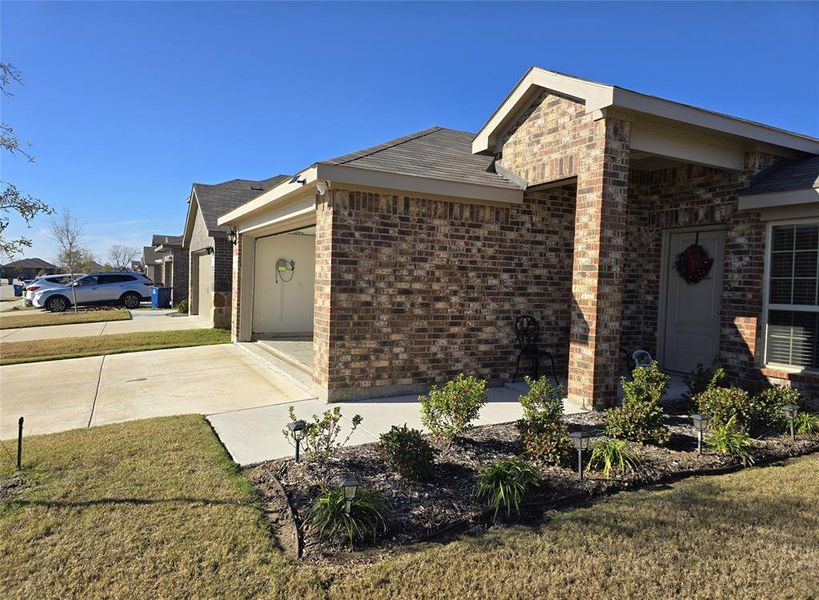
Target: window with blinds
793, 296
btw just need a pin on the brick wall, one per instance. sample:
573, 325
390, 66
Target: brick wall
411, 291
222, 270
543, 143
690, 196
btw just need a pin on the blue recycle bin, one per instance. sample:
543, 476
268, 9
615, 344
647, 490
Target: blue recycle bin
18, 290
160, 297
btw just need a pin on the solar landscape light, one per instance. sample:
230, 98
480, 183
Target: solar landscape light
700, 424
580, 440
298, 429
790, 411
349, 485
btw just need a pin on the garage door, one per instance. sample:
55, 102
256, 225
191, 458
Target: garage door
285, 269
204, 294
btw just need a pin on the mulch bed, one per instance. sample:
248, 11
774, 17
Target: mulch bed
444, 507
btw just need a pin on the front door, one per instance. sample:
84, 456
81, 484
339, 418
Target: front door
692, 309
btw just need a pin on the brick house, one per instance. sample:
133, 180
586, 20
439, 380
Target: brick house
209, 252
572, 204
171, 260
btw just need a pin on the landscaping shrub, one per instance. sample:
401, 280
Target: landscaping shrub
329, 519
182, 306
322, 437
733, 439
504, 483
640, 418
806, 423
448, 411
544, 435
705, 378
408, 452
614, 456
753, 413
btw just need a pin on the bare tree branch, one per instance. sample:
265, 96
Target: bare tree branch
121, 256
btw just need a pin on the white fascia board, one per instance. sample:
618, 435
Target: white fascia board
690, 115
417, 185
599, 94
292, 211
283, 191
779, 199
683, 144
188, 231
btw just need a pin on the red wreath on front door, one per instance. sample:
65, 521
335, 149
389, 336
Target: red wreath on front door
693, 263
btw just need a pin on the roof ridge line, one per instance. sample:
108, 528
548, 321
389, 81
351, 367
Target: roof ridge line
418, 135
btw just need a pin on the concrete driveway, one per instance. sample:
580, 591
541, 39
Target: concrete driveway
82, 392
143, 319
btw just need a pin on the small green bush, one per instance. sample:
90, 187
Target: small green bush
640, 418
753, 413
614, 456
408, 452
322, 437
544, 435
329, 519
705, 378
806, 423
732, 439
448, 411
503, 484
182, 306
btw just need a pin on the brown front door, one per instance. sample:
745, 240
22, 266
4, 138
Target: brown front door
692, 309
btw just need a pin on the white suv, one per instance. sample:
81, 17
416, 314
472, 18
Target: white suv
48, 281
126, 288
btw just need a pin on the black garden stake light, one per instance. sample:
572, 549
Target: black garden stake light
349, 485
298, 429
700, 423
790, 411
581, 440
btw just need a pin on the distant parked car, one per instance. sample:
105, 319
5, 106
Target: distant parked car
126, 288
48, 281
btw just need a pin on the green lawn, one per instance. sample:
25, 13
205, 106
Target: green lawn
155, 508
10, 320
40, 350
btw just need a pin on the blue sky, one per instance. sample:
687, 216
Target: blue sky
126, 104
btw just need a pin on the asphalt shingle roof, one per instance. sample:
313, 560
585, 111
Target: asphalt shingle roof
802, 174
437, 153
221, 198
170, 240
30, 263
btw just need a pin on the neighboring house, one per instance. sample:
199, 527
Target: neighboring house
152, 264
28, 268
571, 204
172, 260
210, 250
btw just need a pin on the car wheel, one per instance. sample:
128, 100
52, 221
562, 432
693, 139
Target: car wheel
57, 304
131, 300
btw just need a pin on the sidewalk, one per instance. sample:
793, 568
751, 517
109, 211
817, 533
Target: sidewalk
254, 435
143, 319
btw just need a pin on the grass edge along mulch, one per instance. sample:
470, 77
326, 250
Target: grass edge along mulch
11, 320
128, 509
12, 353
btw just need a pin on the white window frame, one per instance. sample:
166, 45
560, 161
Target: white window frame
766, 306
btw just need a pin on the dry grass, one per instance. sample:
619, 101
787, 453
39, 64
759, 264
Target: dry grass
56, 349
150, 509
42, 318
156, 509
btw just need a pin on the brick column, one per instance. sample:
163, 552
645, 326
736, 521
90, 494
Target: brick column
597, 270
235, 314
322, 290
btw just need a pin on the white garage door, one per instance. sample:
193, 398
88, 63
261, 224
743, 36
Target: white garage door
204, 293
285, 268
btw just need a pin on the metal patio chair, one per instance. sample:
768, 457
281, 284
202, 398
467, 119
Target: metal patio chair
527, 331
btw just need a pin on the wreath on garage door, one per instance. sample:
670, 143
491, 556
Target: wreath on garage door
693, 263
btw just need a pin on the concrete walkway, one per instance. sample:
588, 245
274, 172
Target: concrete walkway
143, 319
82, 392
254, 435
